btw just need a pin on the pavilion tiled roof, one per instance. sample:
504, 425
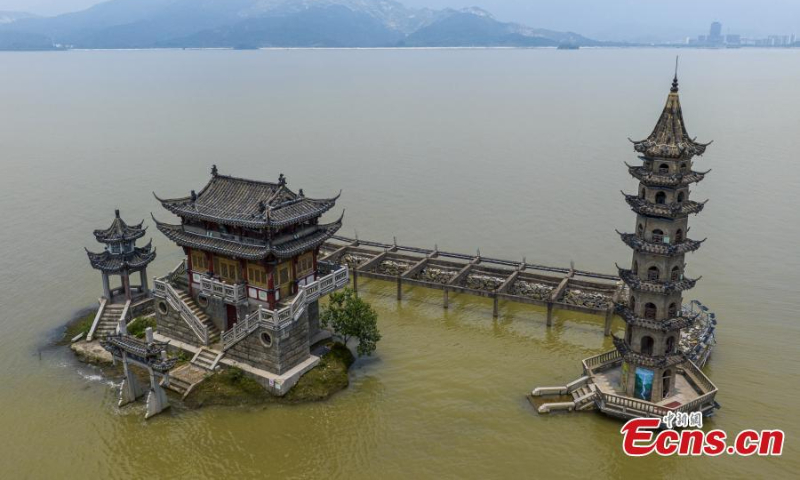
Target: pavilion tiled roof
118, 262
248, 203
119, 231
669, 138
280, 249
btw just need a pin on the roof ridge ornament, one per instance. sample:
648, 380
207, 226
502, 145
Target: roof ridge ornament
214, 171
281, 180
116, 212
674, 88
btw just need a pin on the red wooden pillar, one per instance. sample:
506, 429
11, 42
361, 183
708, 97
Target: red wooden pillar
270, 286
188, 252
210, 262
314, 256
295, 280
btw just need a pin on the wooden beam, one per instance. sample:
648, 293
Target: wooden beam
559, 291
372, 261
464, 271
416, 268
509, 281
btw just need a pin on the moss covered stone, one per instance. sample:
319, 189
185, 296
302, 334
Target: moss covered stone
327, 378
232, 387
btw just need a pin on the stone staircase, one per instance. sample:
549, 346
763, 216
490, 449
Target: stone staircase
584, 397
178, 385
184, 377
206, 358
109, 321
582, 391
213, 331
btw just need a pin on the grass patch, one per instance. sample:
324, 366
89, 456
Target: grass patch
77, 326
231, 387
228, 387
140, 324
327, 378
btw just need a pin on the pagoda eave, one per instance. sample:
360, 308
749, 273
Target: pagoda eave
667, 325
655, 286
665, 180
665, 210
117, 263
635, 358
664, 249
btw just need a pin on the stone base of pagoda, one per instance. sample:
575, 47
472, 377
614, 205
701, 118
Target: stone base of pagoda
692, 391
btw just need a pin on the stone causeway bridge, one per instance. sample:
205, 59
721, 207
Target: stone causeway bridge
522, 282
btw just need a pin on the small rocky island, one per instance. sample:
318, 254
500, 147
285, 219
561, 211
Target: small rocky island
238, 320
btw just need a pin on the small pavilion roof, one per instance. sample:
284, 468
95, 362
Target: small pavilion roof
248, 203
286, 248
119, 231
118, 262
669, 138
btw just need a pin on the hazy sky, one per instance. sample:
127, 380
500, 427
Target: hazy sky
605, 19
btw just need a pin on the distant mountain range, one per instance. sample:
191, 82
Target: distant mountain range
270, 23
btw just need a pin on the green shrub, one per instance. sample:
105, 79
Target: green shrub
139, 325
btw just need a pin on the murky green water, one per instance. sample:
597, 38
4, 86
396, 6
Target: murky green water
516, 152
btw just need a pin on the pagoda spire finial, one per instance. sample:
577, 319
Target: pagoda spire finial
674, 88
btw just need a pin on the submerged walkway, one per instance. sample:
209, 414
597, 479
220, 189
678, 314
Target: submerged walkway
550, 287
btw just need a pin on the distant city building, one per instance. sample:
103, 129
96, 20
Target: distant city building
715, 39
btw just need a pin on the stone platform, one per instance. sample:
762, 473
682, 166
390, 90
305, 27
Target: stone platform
278, 385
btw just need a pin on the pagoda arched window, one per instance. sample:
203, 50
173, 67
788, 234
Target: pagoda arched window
647, 345
680, 197
635, 268
633, 303
650, 311
663, 168
661, 198
643, 193
658, 236
640, 230
670, 346
678, 236
683, 167
653, 273
629, 336
672, 310
675, 275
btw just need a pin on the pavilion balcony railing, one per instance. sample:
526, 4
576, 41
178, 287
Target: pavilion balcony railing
602, 361
278, 319
227, 291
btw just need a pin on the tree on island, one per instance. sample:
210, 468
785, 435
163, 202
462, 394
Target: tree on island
352, 317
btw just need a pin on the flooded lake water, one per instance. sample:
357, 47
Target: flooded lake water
516, 152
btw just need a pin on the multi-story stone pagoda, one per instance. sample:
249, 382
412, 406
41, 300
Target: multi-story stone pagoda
249, 286
653, 314
650, 372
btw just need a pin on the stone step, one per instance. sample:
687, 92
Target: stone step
177, 385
